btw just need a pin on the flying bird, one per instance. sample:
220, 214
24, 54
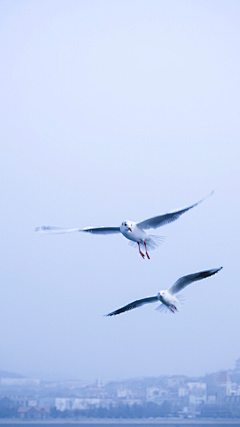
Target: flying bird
133, 231
167, 298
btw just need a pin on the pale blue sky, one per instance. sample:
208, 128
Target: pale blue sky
113, 111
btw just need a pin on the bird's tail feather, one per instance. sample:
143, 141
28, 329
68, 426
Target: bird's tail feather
155, 241
152, 244
133, 244
162, 308
181, 300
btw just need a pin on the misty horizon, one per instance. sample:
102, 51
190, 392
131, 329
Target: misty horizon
65, 377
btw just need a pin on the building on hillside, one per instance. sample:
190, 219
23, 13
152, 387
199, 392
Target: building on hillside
156, 394
73, 403
176, 381
63, 403
35, 413
194, 393
224, 387
85, 403
211, 399
124, 393
90, 403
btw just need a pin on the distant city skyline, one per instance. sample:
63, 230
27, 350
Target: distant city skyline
216, 395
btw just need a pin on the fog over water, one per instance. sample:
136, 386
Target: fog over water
113, 111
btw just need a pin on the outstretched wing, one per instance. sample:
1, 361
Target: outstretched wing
47, 229
158, 221
186, 280
133, 304
102, 230
93, 230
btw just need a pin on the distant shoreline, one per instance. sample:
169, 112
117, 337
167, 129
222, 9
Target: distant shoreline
200, 422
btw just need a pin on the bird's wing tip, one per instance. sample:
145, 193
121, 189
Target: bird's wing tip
210, 194
207, 196
216, 270
39, 229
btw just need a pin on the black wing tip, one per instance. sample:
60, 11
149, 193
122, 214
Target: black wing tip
209, 195
215, 270
204, 198
114, 313
111, 314
208, 273
42, 228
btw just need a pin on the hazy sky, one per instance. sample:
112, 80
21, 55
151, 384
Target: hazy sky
115, 110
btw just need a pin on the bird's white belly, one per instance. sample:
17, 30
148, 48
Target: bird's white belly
169, 299
136, 235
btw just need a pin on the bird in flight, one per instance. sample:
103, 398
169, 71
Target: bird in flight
133, 231
167, 298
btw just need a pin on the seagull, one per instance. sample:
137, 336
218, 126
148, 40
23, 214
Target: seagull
169, 302
133, 231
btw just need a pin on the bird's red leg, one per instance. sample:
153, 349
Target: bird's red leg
172, 310
140, 250
146, 250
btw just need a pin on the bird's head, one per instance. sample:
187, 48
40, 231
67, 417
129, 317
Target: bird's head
126, 226
161, 295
